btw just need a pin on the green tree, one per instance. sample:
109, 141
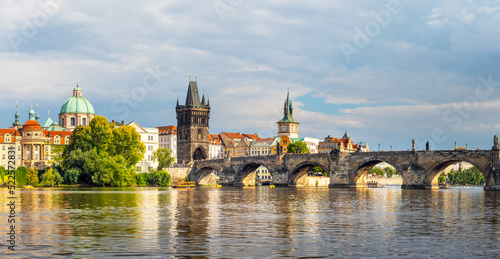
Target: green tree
103, 154
33, 176
160, 178
317, 170
3, 173
21, 176
164, 158
48, 177
298, 145
390, 171
442, 178
376, 171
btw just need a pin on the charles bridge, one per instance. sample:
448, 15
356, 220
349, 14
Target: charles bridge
419, 169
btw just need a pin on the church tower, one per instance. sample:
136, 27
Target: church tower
192, 126
288, 126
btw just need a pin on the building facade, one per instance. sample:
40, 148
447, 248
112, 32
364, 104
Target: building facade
149, 137
343, 144
167, 138
216, 147
193, 126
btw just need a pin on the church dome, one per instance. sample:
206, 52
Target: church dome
77, 104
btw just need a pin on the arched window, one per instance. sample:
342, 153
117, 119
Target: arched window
200, 134
73, 122
84, 121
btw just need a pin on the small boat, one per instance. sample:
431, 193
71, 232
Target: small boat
27, 186
374, 184
444, 186
184, 185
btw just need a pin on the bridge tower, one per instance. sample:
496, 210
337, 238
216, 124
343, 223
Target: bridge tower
288, 126
192, 126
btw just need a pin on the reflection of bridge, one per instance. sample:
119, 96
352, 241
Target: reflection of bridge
419, 169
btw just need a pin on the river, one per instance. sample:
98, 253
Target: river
252, 222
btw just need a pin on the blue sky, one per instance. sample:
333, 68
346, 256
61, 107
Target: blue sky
385, 71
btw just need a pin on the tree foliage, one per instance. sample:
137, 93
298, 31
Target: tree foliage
471, 176
164, 158
103, 154
376, 171
299, 147
33, 176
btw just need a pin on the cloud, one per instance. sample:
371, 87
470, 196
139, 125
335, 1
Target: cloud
427, 59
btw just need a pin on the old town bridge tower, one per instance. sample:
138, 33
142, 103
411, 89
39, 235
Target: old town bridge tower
192, 126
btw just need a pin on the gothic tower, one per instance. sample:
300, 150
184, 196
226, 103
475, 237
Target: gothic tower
192, 126
288, 126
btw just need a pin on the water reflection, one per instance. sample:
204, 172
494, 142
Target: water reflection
256, 222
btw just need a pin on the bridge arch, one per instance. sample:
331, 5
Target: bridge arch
357, 177
433, 172
206, 175
302, 169
244, 175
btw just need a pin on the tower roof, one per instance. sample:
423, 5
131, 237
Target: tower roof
288, 110
193, 96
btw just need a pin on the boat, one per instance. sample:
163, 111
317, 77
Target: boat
27, 186
374, 184
444, 186
184, 185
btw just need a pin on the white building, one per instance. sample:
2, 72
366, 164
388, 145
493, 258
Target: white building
149, 137
312, 144
168, 139
216, 149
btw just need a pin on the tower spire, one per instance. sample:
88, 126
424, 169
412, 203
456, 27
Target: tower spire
17, 123
37, 117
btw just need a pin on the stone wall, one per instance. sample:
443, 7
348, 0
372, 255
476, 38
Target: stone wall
179, 174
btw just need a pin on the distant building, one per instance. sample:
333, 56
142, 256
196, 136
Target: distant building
216, 147
168, 139
312, 144
261, 147
193, 126
149, 137
76, 111
237, 144
343, 144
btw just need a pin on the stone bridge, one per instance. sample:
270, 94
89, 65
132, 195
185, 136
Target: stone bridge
419, 169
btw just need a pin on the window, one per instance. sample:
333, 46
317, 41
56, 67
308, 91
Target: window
150, 147
73, 121
150, 138
3, 147
283, 129
84, 121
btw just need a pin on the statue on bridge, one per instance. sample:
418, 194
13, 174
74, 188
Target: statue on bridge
413, 145
496, 144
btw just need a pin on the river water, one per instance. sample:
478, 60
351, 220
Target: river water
252, 222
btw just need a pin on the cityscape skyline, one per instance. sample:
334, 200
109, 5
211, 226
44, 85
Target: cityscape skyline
384, 72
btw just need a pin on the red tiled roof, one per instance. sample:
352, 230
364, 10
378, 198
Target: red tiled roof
12, 132
167, 129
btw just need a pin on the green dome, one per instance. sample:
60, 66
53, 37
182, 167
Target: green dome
77, 105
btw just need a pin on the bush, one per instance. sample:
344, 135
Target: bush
159, 178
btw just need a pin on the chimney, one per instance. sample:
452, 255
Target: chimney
123, 122
113, 121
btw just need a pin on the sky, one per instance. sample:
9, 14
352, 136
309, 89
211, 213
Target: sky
386, 72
